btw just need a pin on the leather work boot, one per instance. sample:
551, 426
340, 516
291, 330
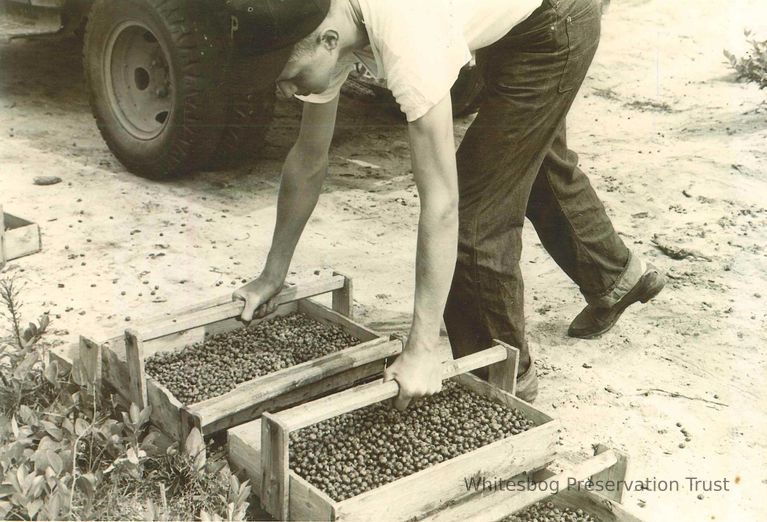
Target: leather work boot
593, 322
527, 384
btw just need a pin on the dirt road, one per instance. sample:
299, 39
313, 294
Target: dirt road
674, 146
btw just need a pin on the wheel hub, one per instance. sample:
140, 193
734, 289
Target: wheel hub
138, 80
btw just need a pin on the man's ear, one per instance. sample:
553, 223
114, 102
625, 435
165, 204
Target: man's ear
329, 39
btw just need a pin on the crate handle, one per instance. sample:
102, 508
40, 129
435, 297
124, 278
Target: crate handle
502, 357
232, 309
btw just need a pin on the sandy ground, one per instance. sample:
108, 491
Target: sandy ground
674, 146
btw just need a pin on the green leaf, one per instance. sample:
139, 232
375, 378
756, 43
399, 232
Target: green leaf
68, 426
5, 508
132, 456
36, 488
53, 508
51, 372
80, 426
194, 443
143, 417
41, 460
26, 481
28, 416
135, 414
56, 462
30, 331
199, 461
14, 427
6, 490
54, 431
34, 507
87, 484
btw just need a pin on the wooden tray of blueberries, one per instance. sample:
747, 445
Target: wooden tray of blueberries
202, 367
349, 456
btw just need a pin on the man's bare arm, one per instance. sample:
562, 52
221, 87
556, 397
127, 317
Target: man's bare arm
302, 175
418, 370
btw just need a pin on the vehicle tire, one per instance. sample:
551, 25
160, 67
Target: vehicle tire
250, 109
154, 69
466, 92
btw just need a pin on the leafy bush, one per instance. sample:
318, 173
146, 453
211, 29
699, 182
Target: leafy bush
65, 456
753, 66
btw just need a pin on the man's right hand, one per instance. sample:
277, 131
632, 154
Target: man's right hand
259, 296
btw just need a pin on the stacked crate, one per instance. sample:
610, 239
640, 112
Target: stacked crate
262, 450
120, 361
18, 237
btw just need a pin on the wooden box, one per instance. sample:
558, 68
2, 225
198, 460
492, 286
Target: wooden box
286, 495
122, 360
18, 237
606, 465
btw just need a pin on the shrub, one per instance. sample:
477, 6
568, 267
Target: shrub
65, 456
753, 66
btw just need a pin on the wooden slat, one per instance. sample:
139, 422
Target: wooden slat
534, 413
599, 506
434, 487
244, 447
274, 467
309, 503
179, 340
189, 421
21, 239
496, 505
244, 450
503, 374
337, 382
343, 302
361, 396
166, 410
65, 354
196, 307
89, 355
234, 309
115, 368
616, 473
13, 222
324, 315
288, 379
134, 355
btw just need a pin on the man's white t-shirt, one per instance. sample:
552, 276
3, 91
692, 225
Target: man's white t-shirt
420, 46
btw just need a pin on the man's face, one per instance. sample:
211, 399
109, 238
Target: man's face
309, 72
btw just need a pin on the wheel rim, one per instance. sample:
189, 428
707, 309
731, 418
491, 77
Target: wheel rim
138, 80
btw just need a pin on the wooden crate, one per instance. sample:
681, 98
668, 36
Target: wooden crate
122, 360
285, 495
606, 465
18, 237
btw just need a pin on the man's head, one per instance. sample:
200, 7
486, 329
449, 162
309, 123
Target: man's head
314, 58
312, 62
314, 32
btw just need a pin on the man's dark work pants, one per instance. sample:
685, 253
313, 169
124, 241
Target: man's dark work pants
514, 162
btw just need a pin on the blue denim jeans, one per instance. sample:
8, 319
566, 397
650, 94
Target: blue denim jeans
514, 163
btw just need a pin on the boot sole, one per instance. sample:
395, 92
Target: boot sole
648, 290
